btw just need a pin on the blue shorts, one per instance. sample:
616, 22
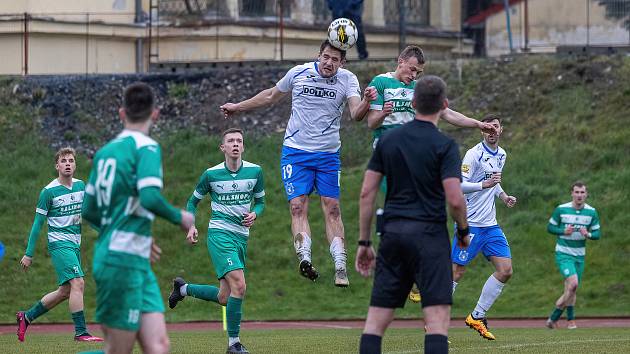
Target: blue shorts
304, 171
490, 240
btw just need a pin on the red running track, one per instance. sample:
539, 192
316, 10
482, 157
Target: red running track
334, 324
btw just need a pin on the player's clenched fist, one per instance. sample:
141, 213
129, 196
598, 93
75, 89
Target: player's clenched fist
369, 94
229, 109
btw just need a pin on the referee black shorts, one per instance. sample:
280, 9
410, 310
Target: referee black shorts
413, 252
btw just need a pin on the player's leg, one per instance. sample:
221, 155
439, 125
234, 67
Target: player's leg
377, 321
50, 300
434, 279
493, 286
118, 341
152, 335
436, 320
299, 178
327, 184
579, 267
237, 286
461, 257
566, 266
335, 235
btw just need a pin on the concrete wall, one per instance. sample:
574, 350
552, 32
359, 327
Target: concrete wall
553, 23
60, 39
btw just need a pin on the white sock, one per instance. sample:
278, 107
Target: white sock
182, 290
338, 253
454, 286
490, 292
302, 244
232, 340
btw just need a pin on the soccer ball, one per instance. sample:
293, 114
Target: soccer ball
342, 33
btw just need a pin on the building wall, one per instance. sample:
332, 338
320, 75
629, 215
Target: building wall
553, 23
60, 39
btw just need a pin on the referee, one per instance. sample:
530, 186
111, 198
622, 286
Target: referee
423, 172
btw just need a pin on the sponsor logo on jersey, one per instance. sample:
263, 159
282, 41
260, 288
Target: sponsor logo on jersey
463, 255
319, 92
289, 188
465, 168
233, 198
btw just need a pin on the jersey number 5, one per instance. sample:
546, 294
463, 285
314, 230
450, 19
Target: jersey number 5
104, 181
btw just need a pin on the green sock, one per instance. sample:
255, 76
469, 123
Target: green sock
203, 292
555, 315
37, 310
570, 314
79, 323
233, 316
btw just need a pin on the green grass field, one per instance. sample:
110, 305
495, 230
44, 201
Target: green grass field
556, 131
328, 341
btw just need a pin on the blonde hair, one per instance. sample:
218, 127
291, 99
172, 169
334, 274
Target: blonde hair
63, 152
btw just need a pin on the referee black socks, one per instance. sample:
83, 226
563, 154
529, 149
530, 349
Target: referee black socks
435, 344
370, 344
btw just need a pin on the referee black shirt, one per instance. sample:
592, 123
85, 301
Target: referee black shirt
415, 158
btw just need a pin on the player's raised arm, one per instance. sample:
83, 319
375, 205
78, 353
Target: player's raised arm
359, 107
264, 98
458, 119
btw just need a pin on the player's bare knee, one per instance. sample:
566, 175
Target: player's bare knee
162, 345
77, 284
223, 297
297, 209
458, 272
334, 212
504, 274
64, 291
239, 289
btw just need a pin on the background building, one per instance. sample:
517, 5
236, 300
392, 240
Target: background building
122, 36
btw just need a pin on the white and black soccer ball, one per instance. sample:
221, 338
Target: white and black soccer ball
342, 33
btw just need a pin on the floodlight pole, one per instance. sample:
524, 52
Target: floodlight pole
401, 25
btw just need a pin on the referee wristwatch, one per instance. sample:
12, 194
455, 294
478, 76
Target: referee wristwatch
364, 243
461, 233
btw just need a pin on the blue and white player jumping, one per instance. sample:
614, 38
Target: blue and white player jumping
310, 152
481, 177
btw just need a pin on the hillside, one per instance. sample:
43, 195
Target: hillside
564, 120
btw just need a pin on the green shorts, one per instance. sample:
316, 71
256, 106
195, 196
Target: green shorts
228, 251
67, 263
570, 265
124, 294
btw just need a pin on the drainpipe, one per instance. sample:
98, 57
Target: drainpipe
138, 19
506, 5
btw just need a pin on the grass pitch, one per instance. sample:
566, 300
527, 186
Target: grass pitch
326, 341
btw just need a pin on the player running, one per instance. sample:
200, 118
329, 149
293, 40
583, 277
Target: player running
310, 152
574, 223
60, 205
233, 185
392, 108
122, 199
481, 177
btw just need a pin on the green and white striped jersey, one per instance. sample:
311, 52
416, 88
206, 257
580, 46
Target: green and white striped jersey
388, 88
62, 207
125, 165
231, 194
566, 214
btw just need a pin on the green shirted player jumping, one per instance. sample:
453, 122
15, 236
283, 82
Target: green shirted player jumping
573, 223
60, 204
233, 185
393, 108
122, 199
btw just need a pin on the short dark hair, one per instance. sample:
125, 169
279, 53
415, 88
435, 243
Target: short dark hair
429, 94
412, 51
578, 184
230, 131
138, 102
327, 43
490, 117
65, 151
